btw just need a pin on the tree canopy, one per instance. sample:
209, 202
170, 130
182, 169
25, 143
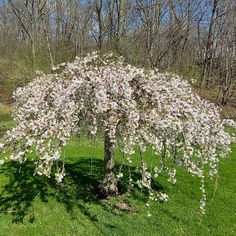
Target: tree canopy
137, 109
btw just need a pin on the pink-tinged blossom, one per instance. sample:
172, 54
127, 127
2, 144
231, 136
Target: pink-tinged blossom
138, 108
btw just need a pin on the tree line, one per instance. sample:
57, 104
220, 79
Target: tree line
194, 38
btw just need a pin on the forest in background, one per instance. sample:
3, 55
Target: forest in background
194, 38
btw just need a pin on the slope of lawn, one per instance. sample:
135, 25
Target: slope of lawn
34, 205
5, 119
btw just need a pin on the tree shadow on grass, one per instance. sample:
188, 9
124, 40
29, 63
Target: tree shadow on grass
18, 194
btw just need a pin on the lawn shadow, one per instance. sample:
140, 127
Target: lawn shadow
18, 195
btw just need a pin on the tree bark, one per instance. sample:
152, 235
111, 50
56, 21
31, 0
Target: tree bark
99, 5
208, 50
47, 36
108, 186
59, 13
120, 13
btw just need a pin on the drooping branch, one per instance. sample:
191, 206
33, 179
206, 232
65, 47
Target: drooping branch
141, 108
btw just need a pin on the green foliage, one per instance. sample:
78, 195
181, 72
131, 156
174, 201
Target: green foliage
64, 54
17, 70
13, 74
5, 119
188, 70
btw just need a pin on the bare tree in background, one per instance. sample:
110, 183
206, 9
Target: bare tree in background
29, 13
195, 38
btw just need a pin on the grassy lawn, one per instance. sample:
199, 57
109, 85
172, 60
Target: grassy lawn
34, 205
5, 119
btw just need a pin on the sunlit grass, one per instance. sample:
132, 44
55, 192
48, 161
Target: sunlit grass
35, 205
5, 119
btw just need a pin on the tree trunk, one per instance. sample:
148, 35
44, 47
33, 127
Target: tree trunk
108, 186
47, 36
99, 5
59, 12
120, 13
33, 53
208, 50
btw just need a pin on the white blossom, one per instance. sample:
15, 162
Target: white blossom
163, 197
1, 146
120, 175
59, 177
144, 109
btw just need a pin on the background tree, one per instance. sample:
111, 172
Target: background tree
191, 37
29, 13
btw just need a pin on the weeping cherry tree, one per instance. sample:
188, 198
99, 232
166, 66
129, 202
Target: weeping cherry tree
134, 108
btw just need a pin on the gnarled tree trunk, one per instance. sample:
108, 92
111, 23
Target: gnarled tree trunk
108, 186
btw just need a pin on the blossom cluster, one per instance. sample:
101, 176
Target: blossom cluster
137, 107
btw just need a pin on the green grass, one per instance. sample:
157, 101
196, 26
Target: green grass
5, 119
4, 110
34, 205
